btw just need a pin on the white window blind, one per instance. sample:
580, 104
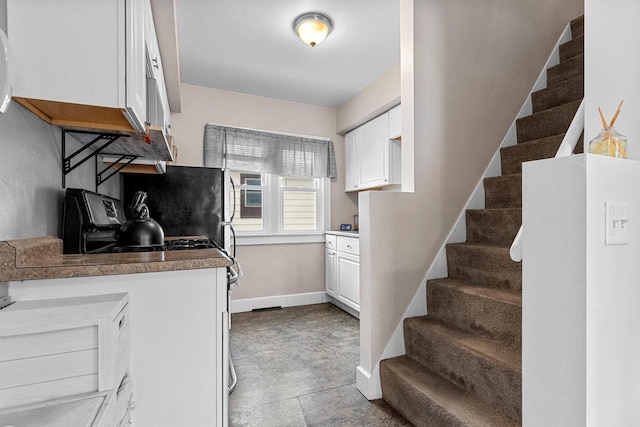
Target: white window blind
266, 152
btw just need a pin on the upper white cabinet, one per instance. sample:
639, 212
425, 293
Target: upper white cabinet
372, 158
155, 71
81, 63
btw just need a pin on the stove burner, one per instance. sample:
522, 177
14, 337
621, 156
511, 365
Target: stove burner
182, 244
170, 245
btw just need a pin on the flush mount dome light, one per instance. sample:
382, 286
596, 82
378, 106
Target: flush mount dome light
312, 28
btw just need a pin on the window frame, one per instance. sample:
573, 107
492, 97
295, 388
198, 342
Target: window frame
273, 231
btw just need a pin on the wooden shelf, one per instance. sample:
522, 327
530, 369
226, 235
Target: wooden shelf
132, 144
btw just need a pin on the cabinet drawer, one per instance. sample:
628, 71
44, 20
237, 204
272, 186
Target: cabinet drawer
330, 241
350, 245
54, 348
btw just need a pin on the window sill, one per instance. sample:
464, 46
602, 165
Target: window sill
279, 239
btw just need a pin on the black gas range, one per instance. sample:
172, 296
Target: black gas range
91, 222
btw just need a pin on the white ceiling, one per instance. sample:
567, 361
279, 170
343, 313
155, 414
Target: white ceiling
249, 46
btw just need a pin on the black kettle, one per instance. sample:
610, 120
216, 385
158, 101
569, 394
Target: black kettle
141, 231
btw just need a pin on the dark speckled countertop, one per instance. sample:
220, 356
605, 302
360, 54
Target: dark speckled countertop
42, 258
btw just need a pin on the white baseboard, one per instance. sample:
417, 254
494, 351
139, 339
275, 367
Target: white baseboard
291, 300
352, 311
369, 384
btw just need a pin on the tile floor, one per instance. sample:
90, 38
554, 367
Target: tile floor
296, 367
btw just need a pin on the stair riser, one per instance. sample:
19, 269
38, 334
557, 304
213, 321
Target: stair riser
546, 123
491, 382
486, 317
416, 407
511, 158
484, 266
577, 28
562, 93
572, 48
565, 71
492, 226
503, 192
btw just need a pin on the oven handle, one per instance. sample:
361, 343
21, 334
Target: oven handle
233, 189
232, 276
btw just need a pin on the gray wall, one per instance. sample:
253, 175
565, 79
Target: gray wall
31, 192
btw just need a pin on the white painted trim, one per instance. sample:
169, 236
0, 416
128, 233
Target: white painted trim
352, 311
291, 300
279, 239
368, 385
418, 306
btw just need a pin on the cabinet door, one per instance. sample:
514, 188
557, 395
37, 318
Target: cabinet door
348, 273
351, 160
373, 153
136, 77
155, 69
67, 50
330, 272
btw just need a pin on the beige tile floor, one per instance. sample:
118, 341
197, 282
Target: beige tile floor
296, 367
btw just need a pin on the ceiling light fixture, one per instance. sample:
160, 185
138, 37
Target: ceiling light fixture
312, 28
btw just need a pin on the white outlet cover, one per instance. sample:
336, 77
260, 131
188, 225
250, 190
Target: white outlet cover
616, 223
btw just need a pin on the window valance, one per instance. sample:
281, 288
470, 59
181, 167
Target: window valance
266, 152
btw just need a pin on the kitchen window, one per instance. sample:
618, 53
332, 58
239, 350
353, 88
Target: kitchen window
277, 209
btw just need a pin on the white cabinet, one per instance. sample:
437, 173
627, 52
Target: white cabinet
351, 160
156, 71
80, 63
348, 273
342, 271
179, 357
372, 159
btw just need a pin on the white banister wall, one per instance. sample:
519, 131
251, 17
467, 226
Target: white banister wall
580, 348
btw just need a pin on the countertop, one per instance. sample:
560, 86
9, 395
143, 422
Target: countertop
42, 258
343, 233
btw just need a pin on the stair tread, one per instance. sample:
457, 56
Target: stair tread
567, 82
488, 349
495, 209
507, 176
560, 93
488, 245
509, 296
566, 70
574, 43
455, 405
536, 141
549, 111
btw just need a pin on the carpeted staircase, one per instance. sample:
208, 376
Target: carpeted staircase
463, 361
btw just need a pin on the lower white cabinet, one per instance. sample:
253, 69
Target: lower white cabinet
179, 341
330, 272
342, 271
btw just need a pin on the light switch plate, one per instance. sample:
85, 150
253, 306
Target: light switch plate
616, 215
